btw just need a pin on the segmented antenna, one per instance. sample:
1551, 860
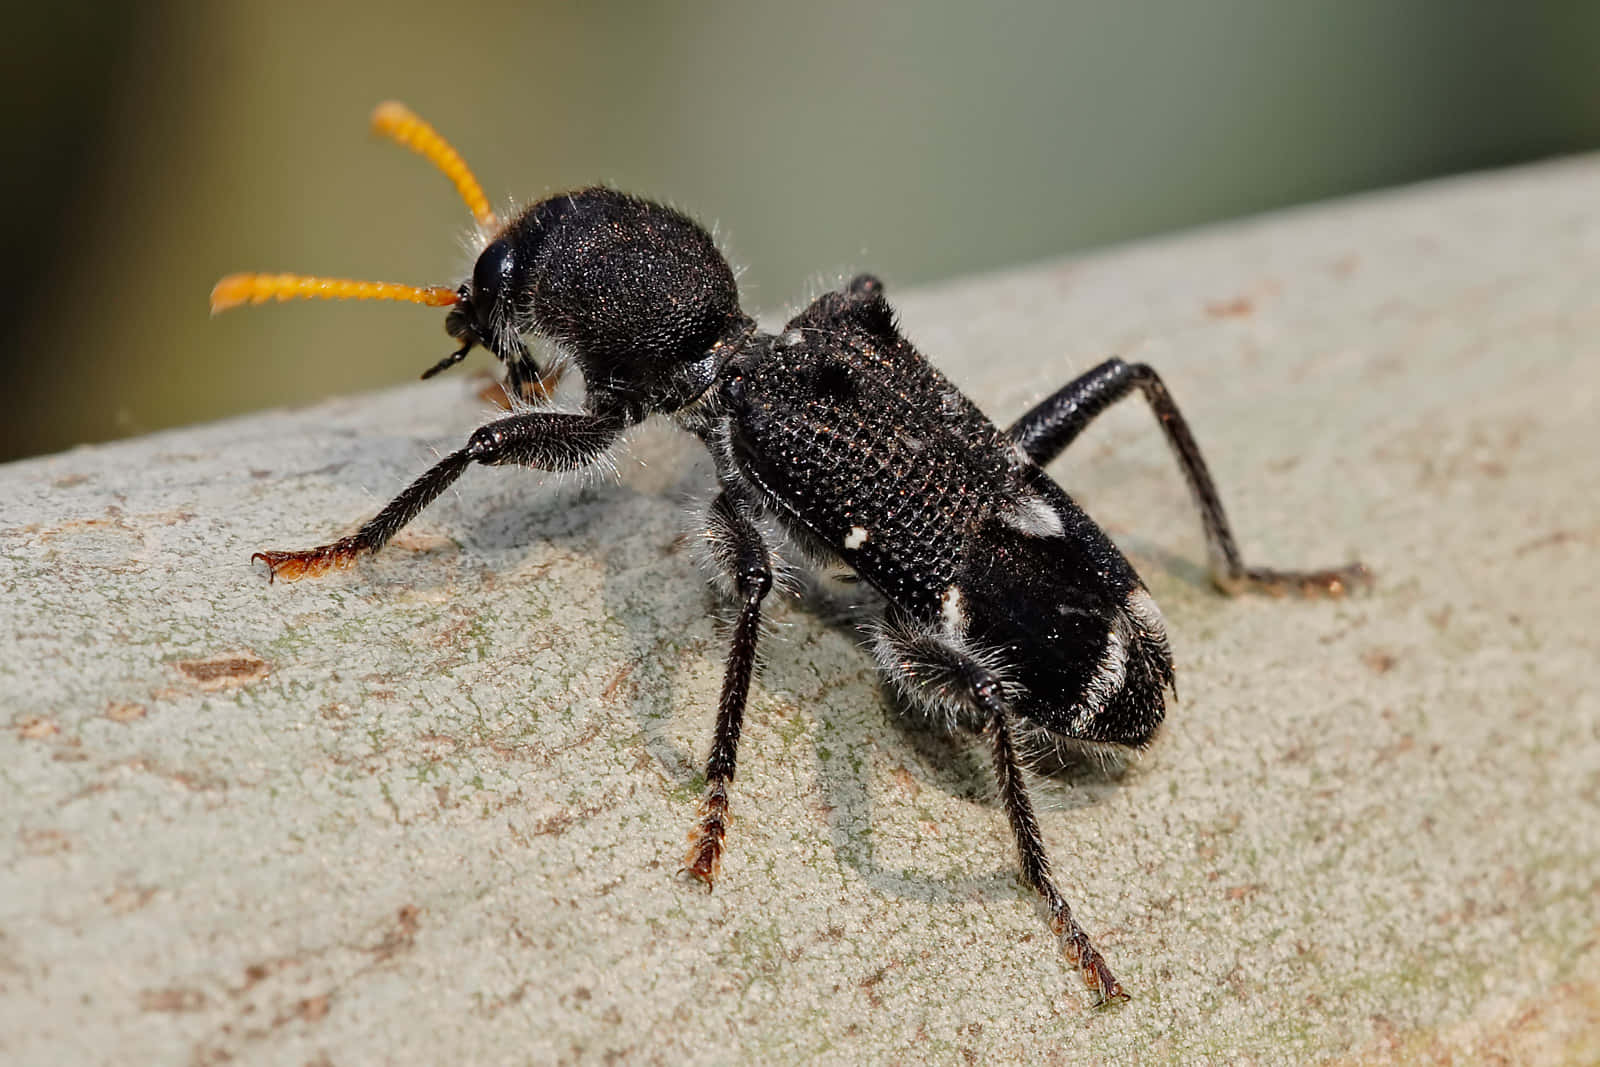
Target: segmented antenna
238, 289
404, 127
398, 123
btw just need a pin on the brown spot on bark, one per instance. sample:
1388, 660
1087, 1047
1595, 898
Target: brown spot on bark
119, 711
1378, 660
313, 1009
554, 825
124, 899
78, 526
226, 671
37, 727
174, 1000
44, 842
1553, 539
1238, 307
616, 683
408, 920
869, 984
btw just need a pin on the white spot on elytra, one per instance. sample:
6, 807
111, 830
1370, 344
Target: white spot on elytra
1149, 624
1034, 516
856, 538
952, 614
1146, 616
1108, 678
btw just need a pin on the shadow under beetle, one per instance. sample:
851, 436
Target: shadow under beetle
1008, 611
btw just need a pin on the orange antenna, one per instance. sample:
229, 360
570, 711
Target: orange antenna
238, 289
404, 127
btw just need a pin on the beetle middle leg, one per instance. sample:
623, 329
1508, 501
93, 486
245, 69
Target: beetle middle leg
546, 440
936, 671
743, 556
1055, 422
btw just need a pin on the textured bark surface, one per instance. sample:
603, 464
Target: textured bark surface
430, 810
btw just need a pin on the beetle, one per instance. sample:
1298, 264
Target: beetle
1006, 610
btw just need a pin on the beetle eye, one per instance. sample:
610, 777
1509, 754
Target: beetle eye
491, 275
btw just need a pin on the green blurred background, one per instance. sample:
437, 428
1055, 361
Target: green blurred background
156, 146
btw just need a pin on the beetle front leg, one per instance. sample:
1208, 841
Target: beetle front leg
743, 556
1055, 422
546, 440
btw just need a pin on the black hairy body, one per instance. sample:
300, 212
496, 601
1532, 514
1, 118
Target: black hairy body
1007, 609
868, 453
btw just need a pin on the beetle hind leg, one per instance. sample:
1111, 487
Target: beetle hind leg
938, 671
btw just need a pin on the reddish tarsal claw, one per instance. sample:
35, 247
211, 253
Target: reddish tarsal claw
1081, 953
292, 566
1104, 984
1336, 582
1350, 578
704, 859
